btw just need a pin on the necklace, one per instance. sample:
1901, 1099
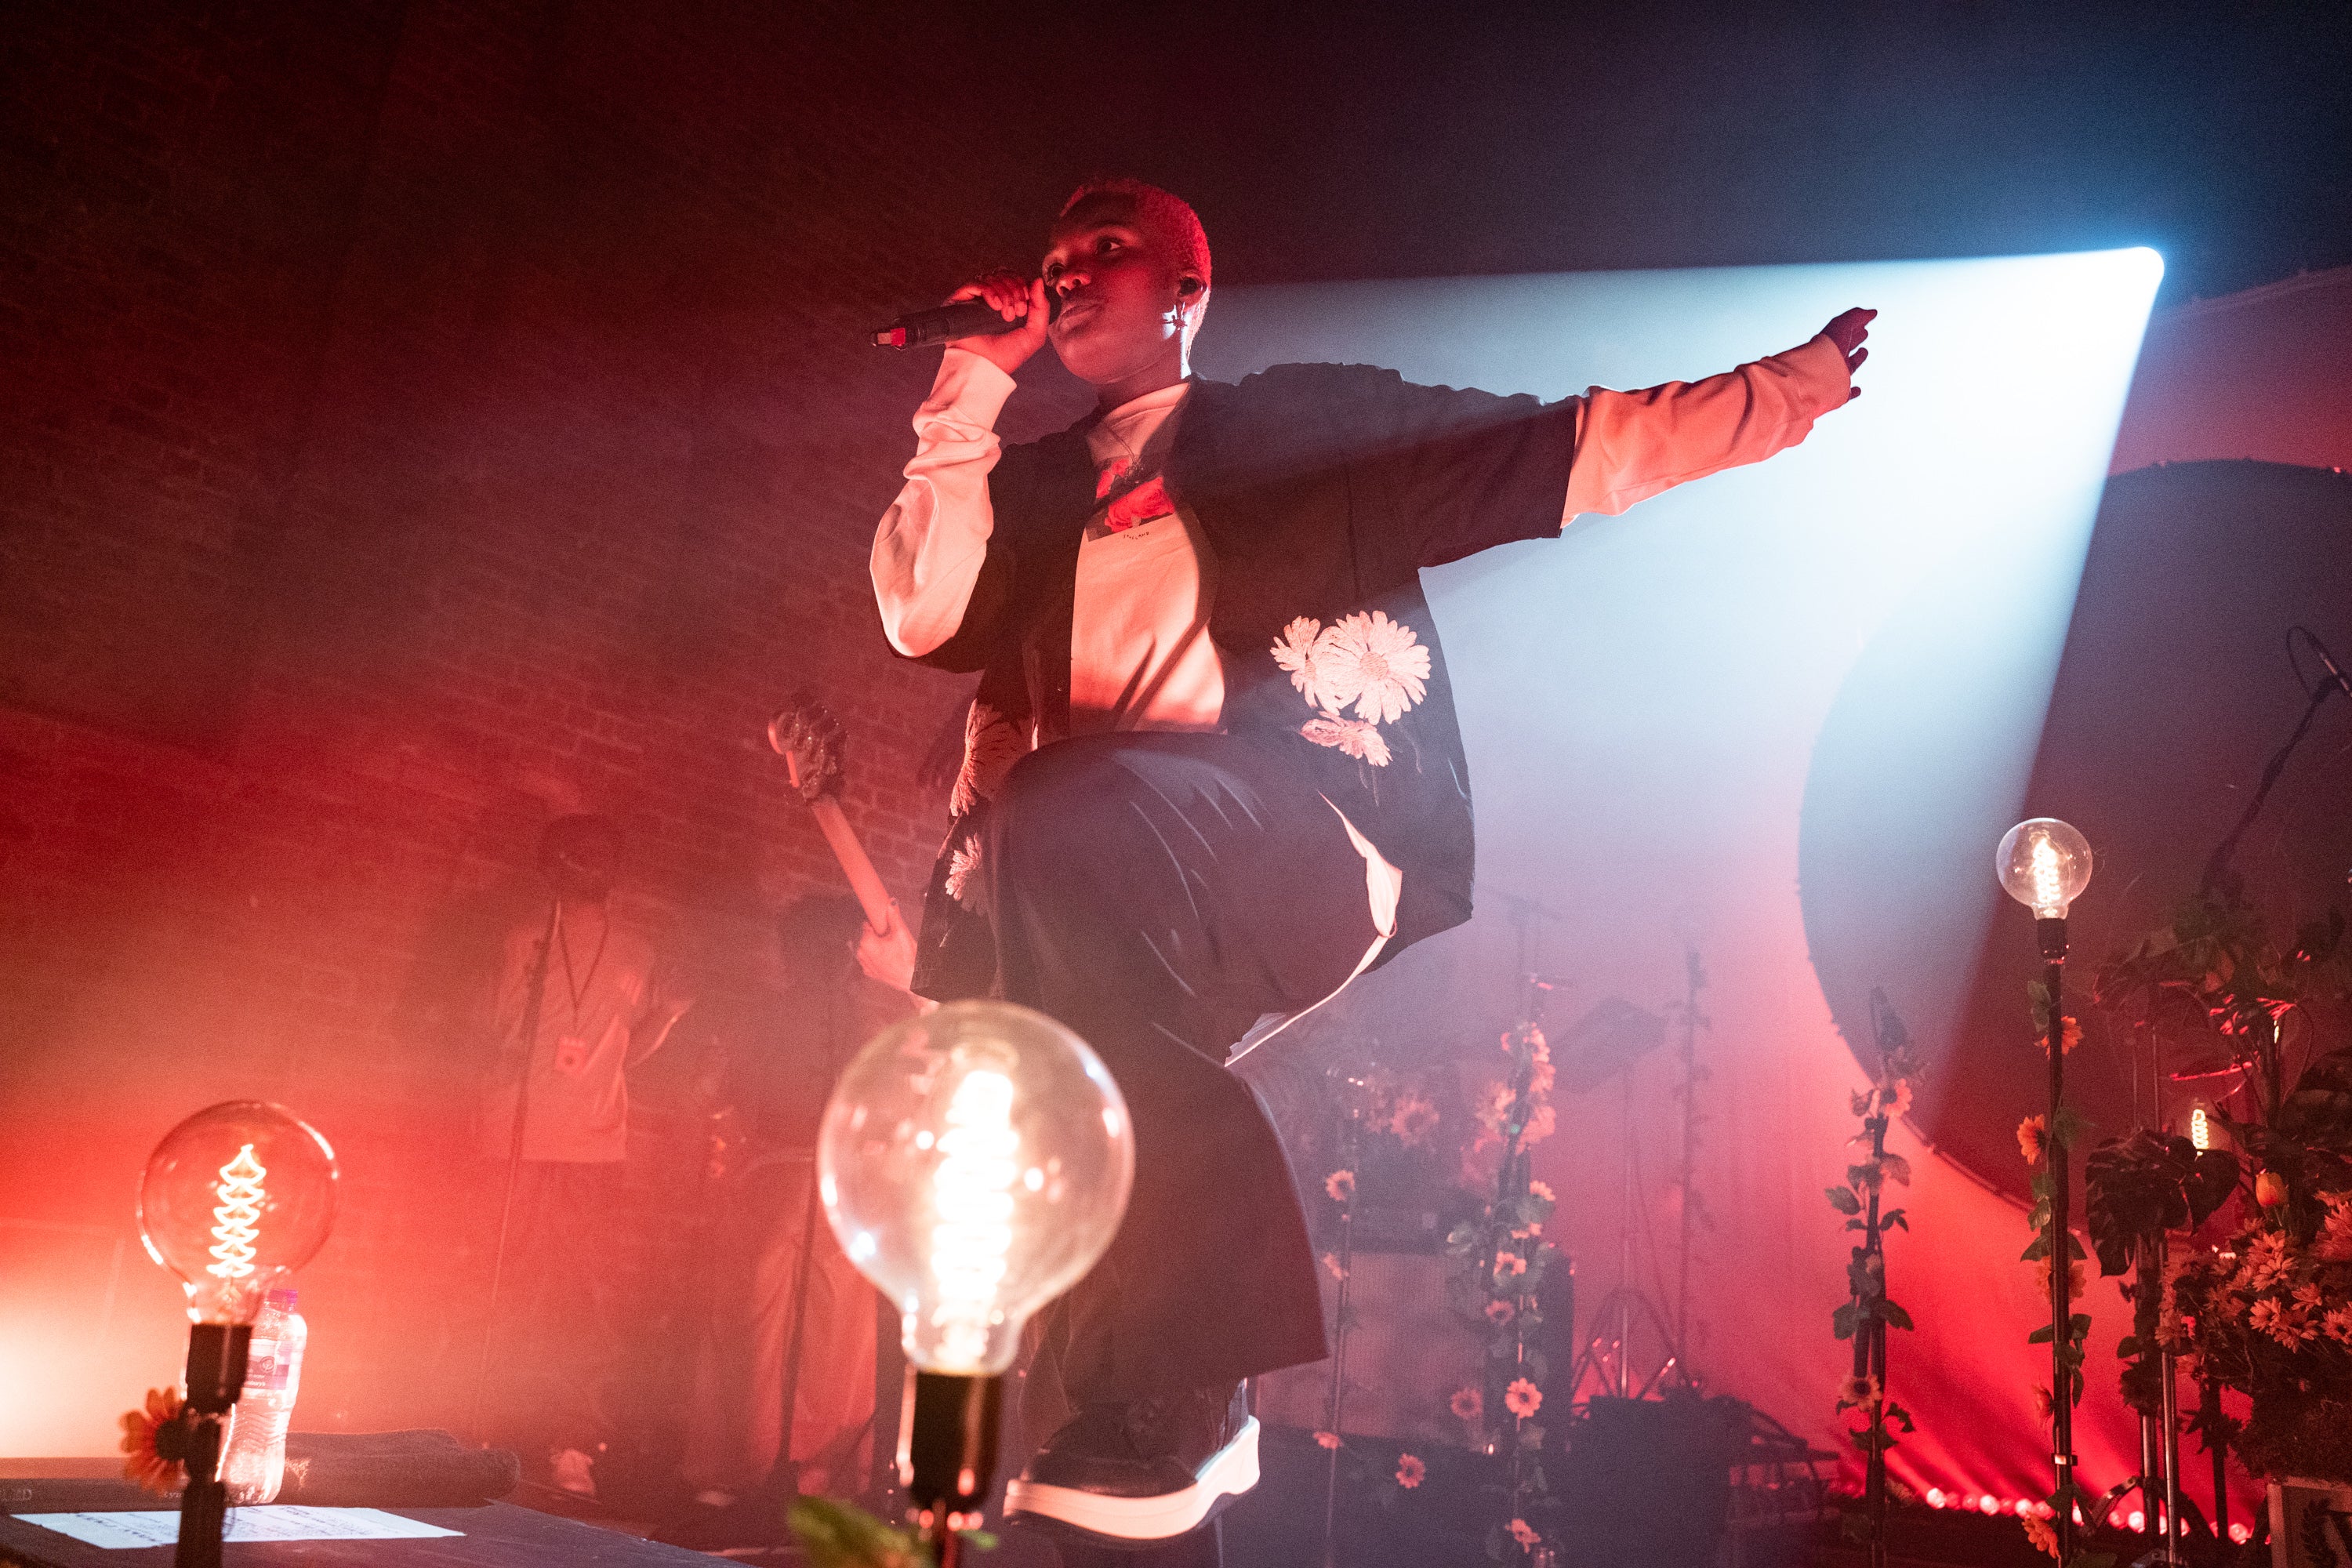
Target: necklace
1138, 464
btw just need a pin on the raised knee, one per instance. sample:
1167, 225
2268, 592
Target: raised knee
1059, 795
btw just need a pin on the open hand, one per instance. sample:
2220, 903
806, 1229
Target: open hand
1010, 294
1849, 330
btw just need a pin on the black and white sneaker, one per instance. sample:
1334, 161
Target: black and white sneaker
1135, 1474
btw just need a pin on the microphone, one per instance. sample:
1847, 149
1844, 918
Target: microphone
964, 319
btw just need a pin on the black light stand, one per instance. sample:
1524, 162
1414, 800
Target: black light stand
1628, 1305
216, 1353
2050, 933
2208, 1409
1694, 982
2159, 1435
947, 1456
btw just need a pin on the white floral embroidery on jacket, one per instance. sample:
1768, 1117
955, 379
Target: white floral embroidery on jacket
991, 744
1353, 736
963, 862
1365, 659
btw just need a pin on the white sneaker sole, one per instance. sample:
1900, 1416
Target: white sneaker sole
1225, 1475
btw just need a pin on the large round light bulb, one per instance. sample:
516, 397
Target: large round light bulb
235, 1198
975, 1163
2045, 865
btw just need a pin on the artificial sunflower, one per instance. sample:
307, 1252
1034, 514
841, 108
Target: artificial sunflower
154, 1442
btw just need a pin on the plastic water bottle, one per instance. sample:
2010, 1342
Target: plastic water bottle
255, 1463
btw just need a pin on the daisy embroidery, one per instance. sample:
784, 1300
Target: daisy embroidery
1353, 736
963, 861
991, 744
1374, 662
1378, 666
1294, 650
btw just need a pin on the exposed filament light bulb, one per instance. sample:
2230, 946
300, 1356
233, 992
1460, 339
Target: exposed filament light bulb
237, 1215
2049, 891
235, 1198
2044, 864
971, 1197
974, 1163
2200, 1130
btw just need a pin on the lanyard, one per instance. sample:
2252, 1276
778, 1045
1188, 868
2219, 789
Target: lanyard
579, 987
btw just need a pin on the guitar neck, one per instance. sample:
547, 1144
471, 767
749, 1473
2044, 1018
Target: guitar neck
872, 896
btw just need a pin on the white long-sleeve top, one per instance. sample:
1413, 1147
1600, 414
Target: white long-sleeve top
928, 551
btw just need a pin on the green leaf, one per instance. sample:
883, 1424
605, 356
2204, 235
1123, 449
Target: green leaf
1897, 1317
836, 1535
2319, 1110
1842, 1200
2039, 1336
1842, 1321
1894, 1217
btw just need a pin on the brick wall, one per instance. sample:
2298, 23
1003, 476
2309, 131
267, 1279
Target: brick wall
425, 419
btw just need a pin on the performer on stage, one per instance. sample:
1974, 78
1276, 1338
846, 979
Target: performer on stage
586, 990
1212, 771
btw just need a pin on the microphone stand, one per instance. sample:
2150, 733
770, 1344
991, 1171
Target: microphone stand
534, 997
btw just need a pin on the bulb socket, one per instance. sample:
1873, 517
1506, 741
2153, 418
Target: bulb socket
947, 1444
216, 1357
2050, 931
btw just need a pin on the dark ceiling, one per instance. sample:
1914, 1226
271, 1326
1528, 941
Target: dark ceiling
1324, 142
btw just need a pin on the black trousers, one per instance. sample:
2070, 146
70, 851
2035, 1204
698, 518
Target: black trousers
556, 1343
1157, 893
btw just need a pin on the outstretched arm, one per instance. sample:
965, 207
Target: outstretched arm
1632, 445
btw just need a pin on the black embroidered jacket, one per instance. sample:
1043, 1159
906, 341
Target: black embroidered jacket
1322, 491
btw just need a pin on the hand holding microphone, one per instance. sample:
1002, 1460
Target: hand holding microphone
1021, 310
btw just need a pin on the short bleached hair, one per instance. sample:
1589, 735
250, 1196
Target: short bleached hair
1169, 215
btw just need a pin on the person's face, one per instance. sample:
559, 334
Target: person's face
1120, 288
585, 879
581, 867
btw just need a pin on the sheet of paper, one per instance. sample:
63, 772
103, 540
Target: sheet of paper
116, 1530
